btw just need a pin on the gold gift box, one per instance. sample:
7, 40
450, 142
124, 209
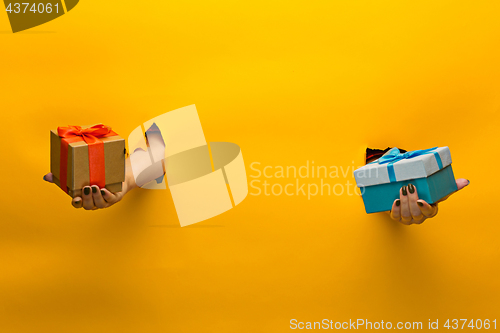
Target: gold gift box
78, 174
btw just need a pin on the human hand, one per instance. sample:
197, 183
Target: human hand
409, 209
94, 198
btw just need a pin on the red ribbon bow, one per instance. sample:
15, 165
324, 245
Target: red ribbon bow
92, 137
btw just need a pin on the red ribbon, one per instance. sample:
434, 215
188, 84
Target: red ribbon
92, 137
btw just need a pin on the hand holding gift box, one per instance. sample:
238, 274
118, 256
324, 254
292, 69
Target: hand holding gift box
93, 159
398, 175
172, 151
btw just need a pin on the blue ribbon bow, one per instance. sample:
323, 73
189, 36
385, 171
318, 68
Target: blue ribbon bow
394, 155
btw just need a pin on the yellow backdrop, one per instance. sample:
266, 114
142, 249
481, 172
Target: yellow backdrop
290, 82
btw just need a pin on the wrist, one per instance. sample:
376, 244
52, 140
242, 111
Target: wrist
129, 183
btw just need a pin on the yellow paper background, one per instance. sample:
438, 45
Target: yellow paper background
289, 82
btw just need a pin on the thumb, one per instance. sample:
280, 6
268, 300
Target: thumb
49, 177
461, 183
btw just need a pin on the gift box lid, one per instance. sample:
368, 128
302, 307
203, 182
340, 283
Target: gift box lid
395, 166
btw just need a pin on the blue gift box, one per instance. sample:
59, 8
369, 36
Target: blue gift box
429, 170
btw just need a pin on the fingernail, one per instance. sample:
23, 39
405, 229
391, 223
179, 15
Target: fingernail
398, 202
420, 204
102, 192
77, 202
44, 178
411, 188
94, 189
86, 190
468, 182
404, 190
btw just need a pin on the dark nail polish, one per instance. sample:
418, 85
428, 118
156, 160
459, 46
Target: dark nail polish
44, 178
77, 202
398, 202
404, 190
86, 190
102, 192
468, 182
94, 189
411, 188
420, 204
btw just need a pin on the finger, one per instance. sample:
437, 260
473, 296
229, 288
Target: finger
98, 199
405, 205
426, 209
49, 177
77, 202
110, 198
88, 201
405, 222
396, 210
415, 211
461, 183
